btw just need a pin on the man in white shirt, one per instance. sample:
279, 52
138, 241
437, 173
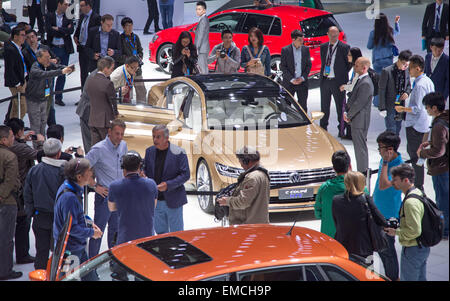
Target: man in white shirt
123, 78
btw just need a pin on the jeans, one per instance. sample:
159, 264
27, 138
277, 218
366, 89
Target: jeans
390, 260
168, 219
61, 80
413, 264
103, 216
166, 15
8, 215
440, 185
392, 125
82, 257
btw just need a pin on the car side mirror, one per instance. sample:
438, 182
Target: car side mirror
38, 275
315, 115
175, 126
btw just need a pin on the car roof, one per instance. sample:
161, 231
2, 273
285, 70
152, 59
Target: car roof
218, 81
301, 12
232, 249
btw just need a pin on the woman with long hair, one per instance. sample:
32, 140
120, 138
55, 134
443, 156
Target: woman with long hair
255, 57
350, 215
381, 42
185, 56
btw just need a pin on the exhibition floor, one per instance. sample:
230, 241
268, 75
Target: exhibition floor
356, 27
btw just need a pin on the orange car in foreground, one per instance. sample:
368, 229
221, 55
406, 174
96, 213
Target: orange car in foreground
238, 253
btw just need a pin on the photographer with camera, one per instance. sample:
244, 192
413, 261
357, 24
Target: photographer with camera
131, 47
226, 55
123, 78
40, 88
249, 203
387, 199
134, 198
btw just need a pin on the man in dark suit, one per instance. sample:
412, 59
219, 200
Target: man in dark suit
88, 20
296, 65
15, 72
436, 66
333, 74
59, 30
36, 12
102, 97
358, 112
167, 164
51, 5
394, 88
435, 22
103, 41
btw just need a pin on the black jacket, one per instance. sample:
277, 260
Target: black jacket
14, 71
93, 45
64, 32
429, 19
41, 185
341, 64
350, 219
94, 21
179, 60
288, 64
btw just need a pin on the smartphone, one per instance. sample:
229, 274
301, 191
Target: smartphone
72, 67
74, 149
34, 137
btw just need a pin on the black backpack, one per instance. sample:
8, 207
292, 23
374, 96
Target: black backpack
432, 222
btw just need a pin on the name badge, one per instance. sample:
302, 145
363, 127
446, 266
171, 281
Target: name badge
134, 52
327, 70
47, 92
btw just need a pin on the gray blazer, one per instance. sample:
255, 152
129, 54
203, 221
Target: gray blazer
202, 35
387, 92
360, 103
84, 106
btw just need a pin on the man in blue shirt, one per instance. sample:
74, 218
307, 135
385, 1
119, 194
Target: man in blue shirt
134, 198
417, 121
105, 159
387, 199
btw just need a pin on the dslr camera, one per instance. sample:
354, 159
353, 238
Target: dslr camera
393, 223
223, 53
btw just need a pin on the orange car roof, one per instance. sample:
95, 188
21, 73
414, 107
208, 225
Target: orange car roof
232, 249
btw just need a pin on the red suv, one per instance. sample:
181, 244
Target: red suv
276, 23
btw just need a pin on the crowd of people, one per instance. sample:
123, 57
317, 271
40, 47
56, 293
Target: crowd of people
137, 197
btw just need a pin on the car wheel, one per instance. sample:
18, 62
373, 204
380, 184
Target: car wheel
204, 183
275, 68
164, 58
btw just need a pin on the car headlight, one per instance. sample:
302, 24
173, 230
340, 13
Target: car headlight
155, 37
228, 171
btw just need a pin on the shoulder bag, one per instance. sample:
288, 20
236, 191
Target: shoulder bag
259, 67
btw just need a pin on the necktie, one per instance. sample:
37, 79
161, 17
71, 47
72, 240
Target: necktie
330, 55
438, 21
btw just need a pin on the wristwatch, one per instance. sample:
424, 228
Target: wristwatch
385, 163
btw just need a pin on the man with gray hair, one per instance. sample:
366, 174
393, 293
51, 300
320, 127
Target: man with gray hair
39, 193
249, 203
40, 88
167, 164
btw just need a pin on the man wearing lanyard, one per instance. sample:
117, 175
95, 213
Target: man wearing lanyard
123, 77
88, 20
39, 89
417, 121
59, 30
333, 74
131, 47
435, 23
16, 72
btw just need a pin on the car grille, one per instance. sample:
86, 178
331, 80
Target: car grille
300, 177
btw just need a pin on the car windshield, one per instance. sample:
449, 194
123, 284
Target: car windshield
105, 267
251, 109
318, 26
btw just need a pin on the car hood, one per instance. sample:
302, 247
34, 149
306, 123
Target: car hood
174, 32
297, 148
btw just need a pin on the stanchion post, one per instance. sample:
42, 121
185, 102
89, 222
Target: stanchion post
368, 176
86, 201
18, 105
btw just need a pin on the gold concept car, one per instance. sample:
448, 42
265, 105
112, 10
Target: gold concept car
212, 116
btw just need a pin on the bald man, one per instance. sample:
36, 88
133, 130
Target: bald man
358, 112
333, 73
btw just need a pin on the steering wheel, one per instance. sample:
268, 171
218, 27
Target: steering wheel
271, 115
222, 26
